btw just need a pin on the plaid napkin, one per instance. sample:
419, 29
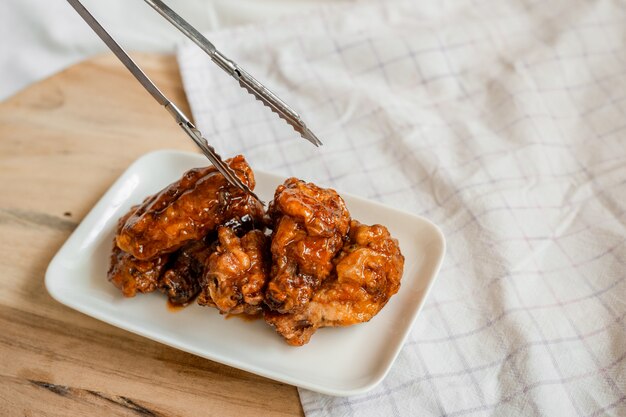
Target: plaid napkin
502, 121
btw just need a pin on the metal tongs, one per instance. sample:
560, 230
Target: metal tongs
245, 80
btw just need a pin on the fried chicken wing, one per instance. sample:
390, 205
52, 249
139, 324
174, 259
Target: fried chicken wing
310, 224
368, 272
181, 281
130, 274
236, 273
202, 237
188, 209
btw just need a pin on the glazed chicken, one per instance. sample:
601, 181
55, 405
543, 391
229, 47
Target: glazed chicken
188, 209
310, 224
368, 272
236, 273
130, 274
201, 237
181, 281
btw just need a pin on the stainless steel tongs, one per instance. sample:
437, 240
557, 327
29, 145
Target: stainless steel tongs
245, 80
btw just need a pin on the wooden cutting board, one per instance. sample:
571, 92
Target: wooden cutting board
63, 142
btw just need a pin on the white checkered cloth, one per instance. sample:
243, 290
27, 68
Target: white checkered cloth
502, 121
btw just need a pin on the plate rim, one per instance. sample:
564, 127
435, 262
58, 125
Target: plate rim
357, 389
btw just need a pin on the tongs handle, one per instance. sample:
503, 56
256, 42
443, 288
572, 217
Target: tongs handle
182, 25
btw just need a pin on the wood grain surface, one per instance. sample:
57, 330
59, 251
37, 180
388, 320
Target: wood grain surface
63, 142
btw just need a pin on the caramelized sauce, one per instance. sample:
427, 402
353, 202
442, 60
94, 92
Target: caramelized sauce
244, 317
174, 308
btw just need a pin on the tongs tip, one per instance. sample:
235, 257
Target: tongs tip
256, 197
310, 136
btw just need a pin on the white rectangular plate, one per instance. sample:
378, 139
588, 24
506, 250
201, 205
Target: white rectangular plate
337, 361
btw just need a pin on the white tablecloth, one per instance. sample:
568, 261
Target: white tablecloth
503, 122
39, 38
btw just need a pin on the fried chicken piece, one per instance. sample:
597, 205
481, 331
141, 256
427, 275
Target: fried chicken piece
188, 209
368, 273
181, 281
310, 224
130, 274
236, 273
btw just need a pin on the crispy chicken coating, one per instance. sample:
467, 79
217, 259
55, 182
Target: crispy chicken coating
130, 274
187, 210
202, 237
368, 273
236, 273
310, 224
181, 281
